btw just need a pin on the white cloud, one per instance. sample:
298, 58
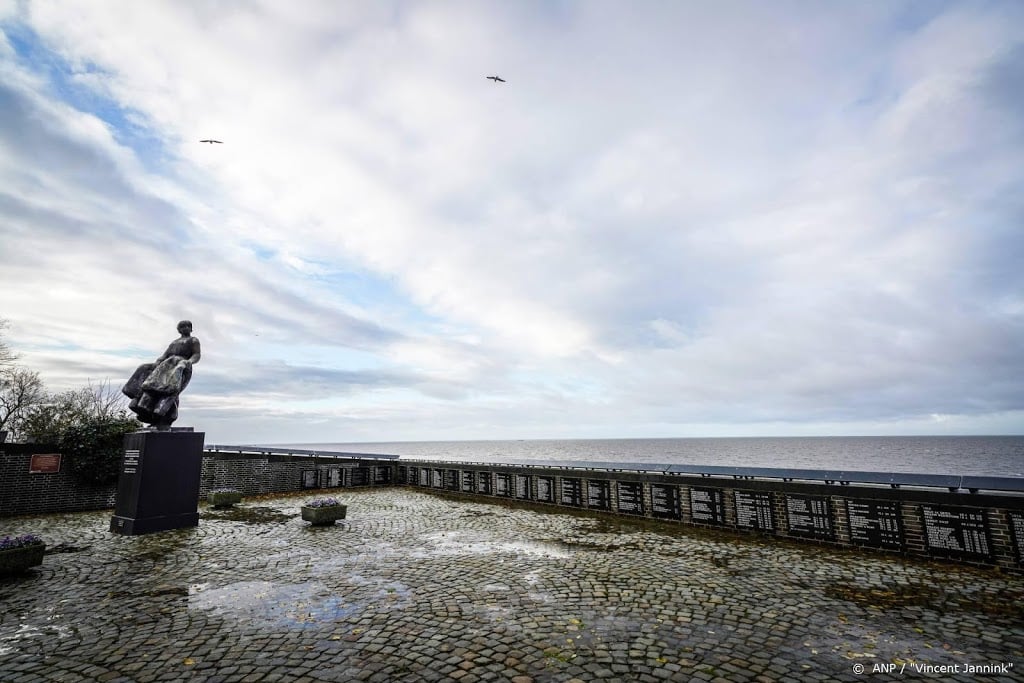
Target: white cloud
669, 214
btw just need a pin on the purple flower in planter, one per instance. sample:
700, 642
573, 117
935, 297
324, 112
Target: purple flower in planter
323, 502
6, 543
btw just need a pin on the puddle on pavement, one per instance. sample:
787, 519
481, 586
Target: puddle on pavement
452, 543
296, 605
248, 515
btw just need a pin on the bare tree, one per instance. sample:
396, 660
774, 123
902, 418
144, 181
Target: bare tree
7, 356
21, 390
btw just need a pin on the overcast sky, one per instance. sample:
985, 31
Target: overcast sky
673, 218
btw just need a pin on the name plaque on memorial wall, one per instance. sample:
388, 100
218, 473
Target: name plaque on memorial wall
309, 479
451, 480
956, 532
381, 475
436, 478
1017, 530
572, 492
665, 501
754, 510
875, 524
502, 484
333, 478
599, 494
425, 473
810, 517
631, 497
360, 476
46, 463
707, 506
546, 489
483, 483
468, 481
523, 486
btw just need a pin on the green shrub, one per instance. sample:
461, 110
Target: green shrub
93, 447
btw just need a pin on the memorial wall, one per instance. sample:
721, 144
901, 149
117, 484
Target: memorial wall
977, 528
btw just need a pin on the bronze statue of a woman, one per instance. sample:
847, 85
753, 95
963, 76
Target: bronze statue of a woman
154, 387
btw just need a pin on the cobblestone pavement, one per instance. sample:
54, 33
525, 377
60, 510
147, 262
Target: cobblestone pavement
419, 587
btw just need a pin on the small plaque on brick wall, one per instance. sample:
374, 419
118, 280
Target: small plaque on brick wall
309, 477
502, 484
436, 478
707, 505
956, 531
665, 501
425, 476
572, 491
599, 494
875, 523
546, 489
1017, 529
810, 517
483, 482
48, 463
523, 487
631, 497
754, 510
468, 481
333, 477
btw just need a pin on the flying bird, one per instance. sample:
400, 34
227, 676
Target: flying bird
496, 79
213, 141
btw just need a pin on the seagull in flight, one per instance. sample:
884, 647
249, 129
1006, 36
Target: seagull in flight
213, 141
496, 79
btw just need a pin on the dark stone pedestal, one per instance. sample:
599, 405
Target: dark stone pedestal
158, 489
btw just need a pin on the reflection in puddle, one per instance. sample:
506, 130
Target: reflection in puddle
297, 605
468, 544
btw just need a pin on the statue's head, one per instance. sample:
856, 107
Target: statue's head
185, 327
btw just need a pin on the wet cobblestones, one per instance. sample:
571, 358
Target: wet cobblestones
418, 587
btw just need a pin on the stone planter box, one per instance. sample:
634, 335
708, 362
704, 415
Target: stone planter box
224, 499
324, 516
17, 560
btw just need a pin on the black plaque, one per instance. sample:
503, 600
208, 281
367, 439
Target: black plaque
665, 501
451, 480
360, 476
333, 478
707, 506
437, 478
502, 484
483, 483
875, 524
546, 489
310, 478
381, 475
414, 476
522, 483
158, 488
468, 481
424, 476
960, 532
810, 517
631, 497
599, 494
1017, 529
754, 510
403, 475
572, 491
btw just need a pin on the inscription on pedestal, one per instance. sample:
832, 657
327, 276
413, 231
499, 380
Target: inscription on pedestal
707, 505
810, 517
631, 497
523, 486
572, 492
956, 531
546, 489
131, 461
665, 501
599, 494
875, 524
754, 510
